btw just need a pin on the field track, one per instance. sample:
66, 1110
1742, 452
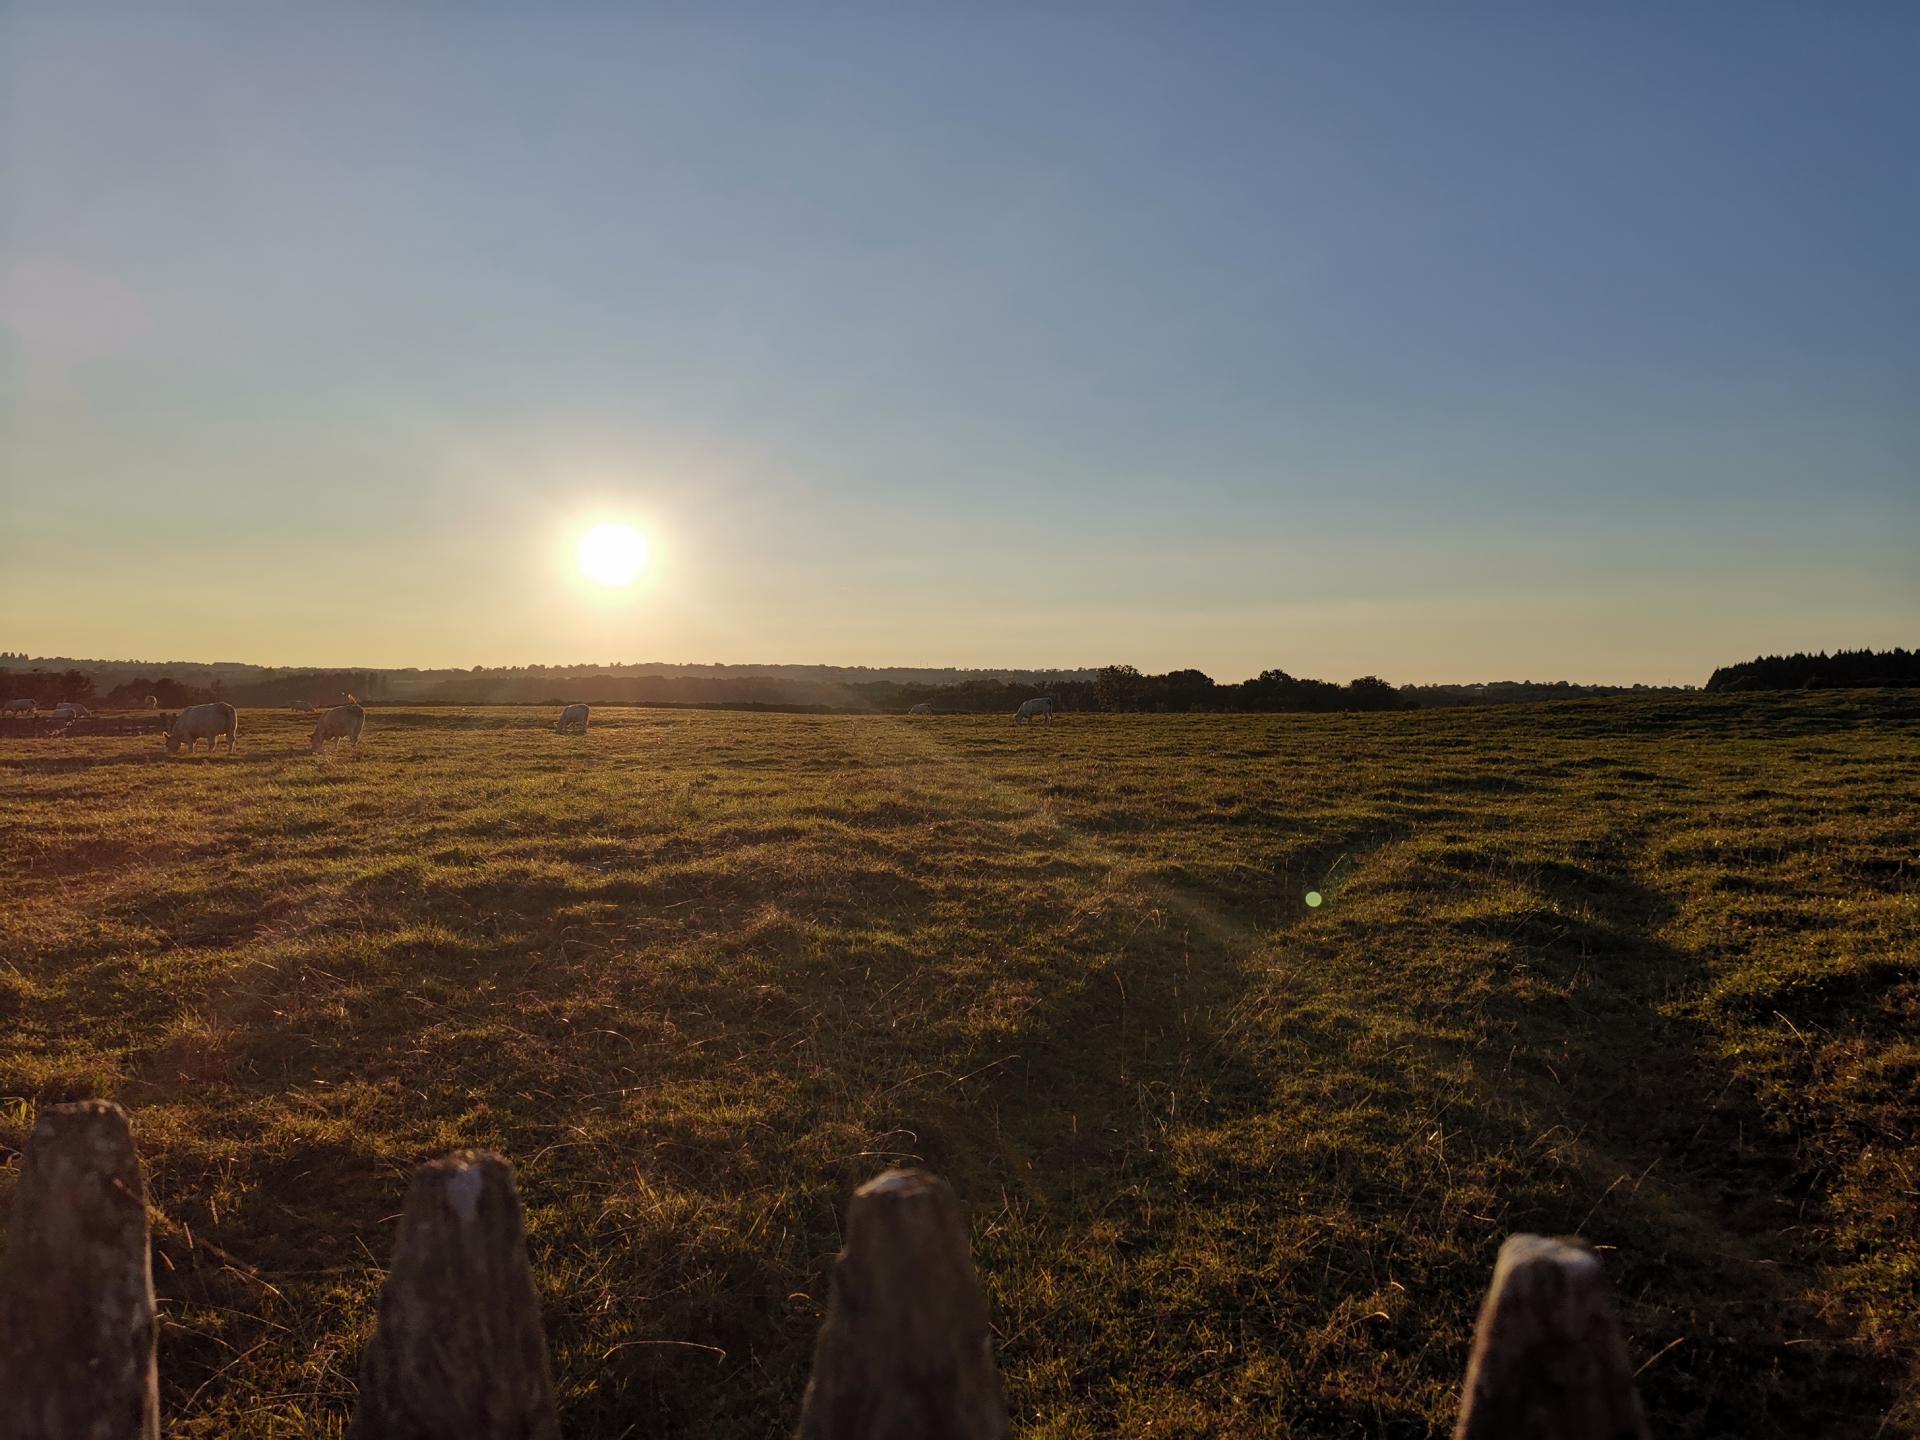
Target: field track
1645, 971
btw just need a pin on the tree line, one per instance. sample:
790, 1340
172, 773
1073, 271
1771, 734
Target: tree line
1125, 689
1116, 688
50, 687
1113, 689
1849, 669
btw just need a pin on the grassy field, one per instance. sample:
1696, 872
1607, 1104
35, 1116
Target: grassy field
1648, 972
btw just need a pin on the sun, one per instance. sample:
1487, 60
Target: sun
612, 555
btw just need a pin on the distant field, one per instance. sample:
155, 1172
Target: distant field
1647, 971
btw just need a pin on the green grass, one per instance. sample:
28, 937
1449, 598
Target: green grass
1643, 971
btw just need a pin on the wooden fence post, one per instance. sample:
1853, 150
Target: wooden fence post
459, 1353
77, 1322
904, 1352
1548, 1360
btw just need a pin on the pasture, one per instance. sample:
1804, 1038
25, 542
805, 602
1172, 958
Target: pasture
1644, 971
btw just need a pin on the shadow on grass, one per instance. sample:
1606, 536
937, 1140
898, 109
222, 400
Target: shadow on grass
1674, 1166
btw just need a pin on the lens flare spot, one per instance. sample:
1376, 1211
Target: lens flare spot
1313, 899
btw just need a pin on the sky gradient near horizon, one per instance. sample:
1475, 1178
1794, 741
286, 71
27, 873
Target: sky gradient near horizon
1512, 342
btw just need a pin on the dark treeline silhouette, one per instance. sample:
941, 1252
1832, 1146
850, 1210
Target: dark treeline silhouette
49, 687
319, 687
1122, 688
1842, 669
1114, 689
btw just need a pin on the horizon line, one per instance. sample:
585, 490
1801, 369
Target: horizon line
964, 670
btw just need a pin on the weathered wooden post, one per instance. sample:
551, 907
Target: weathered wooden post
904, 1352
1548, 1360
459, 1353
77, 1321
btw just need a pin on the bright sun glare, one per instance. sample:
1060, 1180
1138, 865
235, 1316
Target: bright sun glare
613, 555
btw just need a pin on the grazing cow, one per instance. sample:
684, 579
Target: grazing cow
23, 706
574, 717
921, 709
204, 722
1038, 708
342, 722
71, 710
152, 702
301, 707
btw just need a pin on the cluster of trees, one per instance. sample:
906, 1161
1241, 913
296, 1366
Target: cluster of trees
1843, 668
1124, 688
49, 687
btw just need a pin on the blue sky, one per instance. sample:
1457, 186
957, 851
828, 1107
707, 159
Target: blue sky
1504, 342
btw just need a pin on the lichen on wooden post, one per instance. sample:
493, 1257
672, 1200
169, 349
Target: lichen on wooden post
1548, 1359
459, 1353
77, 1321
904, 1353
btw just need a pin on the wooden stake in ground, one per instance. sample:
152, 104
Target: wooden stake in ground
1548, 1360
76, 1285
904, 1353
459, 1353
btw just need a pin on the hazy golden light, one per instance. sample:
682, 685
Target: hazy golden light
612, 555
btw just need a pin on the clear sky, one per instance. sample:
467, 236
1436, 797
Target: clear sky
1511, 341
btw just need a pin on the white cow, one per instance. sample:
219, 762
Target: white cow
152, 702
342, 722
1038, 708
71, 710
204, 722
25, 705
574, 717
921, 709
301, 707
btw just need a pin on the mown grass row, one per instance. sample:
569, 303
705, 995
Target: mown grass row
1643, 971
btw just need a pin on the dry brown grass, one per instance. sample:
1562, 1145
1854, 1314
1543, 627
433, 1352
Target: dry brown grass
1644, 971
